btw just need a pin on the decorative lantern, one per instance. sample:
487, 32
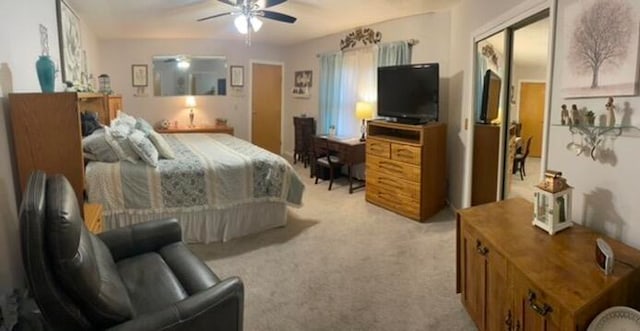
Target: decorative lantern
104, 84
552, 205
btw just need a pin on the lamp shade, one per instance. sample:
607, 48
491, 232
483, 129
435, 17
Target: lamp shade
191, 101
364, 110
241, 24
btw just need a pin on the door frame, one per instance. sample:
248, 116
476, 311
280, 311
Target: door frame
503, 22
282, 103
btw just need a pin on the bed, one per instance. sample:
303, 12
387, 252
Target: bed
218, 187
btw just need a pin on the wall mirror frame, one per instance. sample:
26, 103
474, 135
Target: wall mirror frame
177, 75
528, 11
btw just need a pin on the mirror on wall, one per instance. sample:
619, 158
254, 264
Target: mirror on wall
189, 75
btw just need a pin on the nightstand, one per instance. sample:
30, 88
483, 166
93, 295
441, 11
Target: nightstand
199, 129
93, 217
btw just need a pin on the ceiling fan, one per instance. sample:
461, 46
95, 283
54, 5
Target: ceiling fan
248, 13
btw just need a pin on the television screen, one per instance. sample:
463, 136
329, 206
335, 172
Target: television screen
490, 97
409, 92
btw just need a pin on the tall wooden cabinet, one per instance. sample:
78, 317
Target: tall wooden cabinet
47, 133
406, 166
513, 276
486, 163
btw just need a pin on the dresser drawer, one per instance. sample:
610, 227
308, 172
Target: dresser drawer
394, 184
393, 200
394, 168
405, 153
378, 148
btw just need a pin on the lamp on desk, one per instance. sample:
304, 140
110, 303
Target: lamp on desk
191, 103
364, 111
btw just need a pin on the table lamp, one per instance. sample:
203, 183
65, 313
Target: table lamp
364, 111
191, 103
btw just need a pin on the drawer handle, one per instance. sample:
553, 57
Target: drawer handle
407, 152
482, 250
389, 182
508, 321
390, 166
542, 310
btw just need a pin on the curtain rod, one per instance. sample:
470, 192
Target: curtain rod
410, 42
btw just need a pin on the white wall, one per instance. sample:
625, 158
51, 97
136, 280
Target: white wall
117, 56
606, 191
432, 31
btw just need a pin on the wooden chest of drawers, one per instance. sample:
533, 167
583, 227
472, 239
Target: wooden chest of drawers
406, 168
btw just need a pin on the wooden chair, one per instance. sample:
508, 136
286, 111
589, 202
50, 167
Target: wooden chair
324, 158
520, 159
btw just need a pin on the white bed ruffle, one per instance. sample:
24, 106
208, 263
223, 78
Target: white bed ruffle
211, 225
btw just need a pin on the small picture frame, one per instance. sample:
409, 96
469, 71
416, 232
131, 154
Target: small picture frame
237, 76
139, 75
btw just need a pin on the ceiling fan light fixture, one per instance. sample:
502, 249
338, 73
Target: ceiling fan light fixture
241, 24
256, 24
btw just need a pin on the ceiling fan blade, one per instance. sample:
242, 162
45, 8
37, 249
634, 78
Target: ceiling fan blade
213, 16
229, 2
271, 3
276, 16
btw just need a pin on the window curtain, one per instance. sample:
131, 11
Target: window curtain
359, 83
394, 53
330, 69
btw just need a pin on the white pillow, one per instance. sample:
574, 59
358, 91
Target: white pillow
120, 145
144, 148
126, 118
161, 145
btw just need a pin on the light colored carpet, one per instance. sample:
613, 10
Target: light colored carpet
524, 188
344, 264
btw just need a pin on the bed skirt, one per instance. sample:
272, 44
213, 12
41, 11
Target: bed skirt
205, 226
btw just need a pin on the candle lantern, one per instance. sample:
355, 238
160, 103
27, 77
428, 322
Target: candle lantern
552, 203
104, 84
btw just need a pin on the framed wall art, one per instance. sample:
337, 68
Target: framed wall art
70, 43
139, 74
237, 76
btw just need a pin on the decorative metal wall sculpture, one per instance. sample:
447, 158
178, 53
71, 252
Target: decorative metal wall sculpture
366, 36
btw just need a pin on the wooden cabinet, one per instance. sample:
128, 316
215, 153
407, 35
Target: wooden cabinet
486, 163
47, 134
405, 167
514, 276
199, 129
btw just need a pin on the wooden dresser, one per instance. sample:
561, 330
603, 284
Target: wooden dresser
514, 276
406, 167
47, 135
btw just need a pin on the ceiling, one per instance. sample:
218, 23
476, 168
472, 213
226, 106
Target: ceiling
140, 19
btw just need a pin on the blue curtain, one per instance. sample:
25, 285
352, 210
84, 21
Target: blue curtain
394, 53
330, 72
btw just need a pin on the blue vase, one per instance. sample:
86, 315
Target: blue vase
46, 73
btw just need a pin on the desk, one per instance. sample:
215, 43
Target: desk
351, 151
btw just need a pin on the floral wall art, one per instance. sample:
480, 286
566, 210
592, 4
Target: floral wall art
71, 53
601, 42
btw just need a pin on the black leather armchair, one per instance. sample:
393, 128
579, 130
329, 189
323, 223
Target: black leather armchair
141, 277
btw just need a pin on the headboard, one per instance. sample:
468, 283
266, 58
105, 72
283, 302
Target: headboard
98, 103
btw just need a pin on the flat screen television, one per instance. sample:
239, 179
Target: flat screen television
409, 93
489, 109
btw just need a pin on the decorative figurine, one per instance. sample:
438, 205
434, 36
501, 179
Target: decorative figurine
564, 116
575, 115
611, 113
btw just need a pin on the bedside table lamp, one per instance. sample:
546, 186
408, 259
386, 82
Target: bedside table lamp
191, 103
364, 111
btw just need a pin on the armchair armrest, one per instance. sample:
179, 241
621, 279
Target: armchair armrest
141, 238
219, 307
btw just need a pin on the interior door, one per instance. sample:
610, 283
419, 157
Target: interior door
531, 113
266, 106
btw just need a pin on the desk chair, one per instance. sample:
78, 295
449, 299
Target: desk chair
520, 159
324, 157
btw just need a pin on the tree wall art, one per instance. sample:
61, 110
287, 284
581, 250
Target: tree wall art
601, 48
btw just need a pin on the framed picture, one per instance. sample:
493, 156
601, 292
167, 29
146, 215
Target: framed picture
237, 76
303, 78
70, 43
300, 92
139, 75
